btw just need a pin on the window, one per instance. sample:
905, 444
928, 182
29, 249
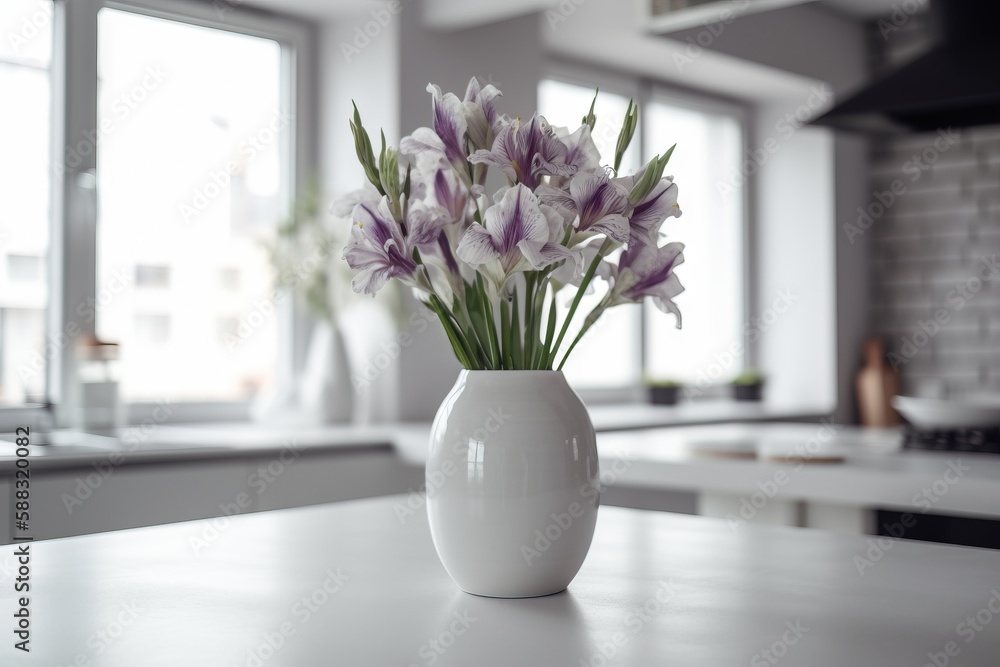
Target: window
152, 276
563, 105
229, 278
25, 268
170, 170
25, 58
191, 137
151, 330
632, 342
709, 147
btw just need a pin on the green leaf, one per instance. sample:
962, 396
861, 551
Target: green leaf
626, 133
388, 169
651, 175
590, 119
363, 147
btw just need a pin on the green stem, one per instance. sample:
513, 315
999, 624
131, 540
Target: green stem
515, 334
476, 325
529, 342
541, 354
550, 331
505, 332
491, 326
468, 338
587, 323
587, 277
454, 335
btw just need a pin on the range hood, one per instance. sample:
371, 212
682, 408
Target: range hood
954, 84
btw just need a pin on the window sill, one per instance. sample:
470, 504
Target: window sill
629, 416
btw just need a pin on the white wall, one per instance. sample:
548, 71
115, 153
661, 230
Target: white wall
355, 66
371, 79
795, 263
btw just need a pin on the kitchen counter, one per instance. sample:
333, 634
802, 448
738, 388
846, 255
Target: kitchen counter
689, 469
158, 443
352, 584
875, 472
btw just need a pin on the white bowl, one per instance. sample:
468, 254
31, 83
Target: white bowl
970, 412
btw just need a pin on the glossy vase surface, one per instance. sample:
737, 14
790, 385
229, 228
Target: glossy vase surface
512, 483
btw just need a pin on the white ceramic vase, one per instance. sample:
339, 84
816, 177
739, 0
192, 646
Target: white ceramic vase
512, 483
325, 391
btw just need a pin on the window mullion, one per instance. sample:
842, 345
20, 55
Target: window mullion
74, 220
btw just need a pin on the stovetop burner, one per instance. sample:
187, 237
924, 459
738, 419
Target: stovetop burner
985, 440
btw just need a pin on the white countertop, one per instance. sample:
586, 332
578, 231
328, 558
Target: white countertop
876, 471
181, 442
351, 585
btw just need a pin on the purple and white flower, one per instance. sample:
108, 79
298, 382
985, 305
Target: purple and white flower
515, 235
649, 214
480, 113
344, 206
445, 140
377, 249
562, 219
646, 271
452, 195
381, 248
525, 152
581, 151
599, 203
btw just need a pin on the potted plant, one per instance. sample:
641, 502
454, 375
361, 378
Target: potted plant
512, 445
748, 386
663, 392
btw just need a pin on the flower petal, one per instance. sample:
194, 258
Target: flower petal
423, 139
581, 151
449, 124
480, 114
650, 266
344, 206
650, 213
515, 218
477, 246
377, 249
424, 223
664, 294
540, 255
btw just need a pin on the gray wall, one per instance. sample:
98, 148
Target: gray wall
935, 300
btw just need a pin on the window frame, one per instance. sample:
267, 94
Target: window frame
74, 193
644, 91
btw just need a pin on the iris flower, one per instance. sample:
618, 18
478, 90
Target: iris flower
516, 233
525, 152
646, 270
649, 214
599, 203
381, 248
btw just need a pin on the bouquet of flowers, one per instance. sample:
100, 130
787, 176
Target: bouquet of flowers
491, 265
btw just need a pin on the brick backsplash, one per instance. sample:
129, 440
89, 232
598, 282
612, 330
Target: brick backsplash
928, 251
